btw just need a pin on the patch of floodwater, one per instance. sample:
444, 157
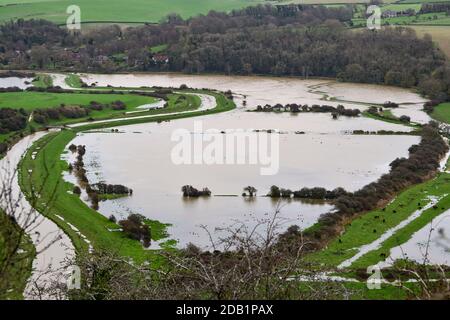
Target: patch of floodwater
369, 93
386, 235
152, 106
21, 83
414, 111
143, 163
257, 90
430, 245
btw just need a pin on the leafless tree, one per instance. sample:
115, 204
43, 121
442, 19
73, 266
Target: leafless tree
18, 222
242, 263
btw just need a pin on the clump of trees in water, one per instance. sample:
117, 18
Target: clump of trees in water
340, 110
422, 163
249, 191
307, 193
104, 188
191, 192
136, 228
94, 190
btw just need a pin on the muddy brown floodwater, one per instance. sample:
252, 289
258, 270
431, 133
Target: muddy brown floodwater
326, 155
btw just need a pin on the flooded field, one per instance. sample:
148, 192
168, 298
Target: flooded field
271, 90
142, 161
139, 156
21, 83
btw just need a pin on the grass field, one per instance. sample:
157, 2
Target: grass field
115, 10
361, 230
442, 112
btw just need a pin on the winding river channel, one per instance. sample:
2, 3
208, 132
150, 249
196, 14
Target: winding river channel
326, 154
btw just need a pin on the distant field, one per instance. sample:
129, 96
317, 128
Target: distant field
421, 1
115, 10
440, 34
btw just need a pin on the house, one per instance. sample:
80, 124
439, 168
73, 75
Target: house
160, 59
389, 14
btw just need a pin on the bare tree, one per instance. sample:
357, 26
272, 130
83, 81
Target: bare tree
19, 221
242, 263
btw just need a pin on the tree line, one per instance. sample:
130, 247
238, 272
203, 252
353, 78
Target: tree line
305, 41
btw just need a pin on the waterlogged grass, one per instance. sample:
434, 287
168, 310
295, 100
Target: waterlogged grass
442, 112
73, 80
370, 226
43, 81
